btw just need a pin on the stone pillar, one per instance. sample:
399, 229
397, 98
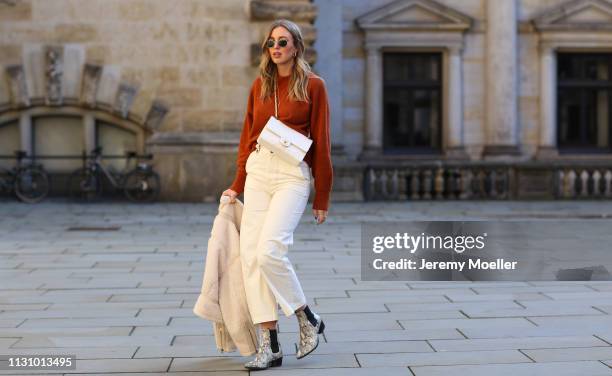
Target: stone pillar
501, 83
374, 93
455, 147
25, 131
547, 146
329, 65
89, 127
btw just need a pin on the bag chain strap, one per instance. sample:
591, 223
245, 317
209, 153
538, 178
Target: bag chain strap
275, 101
276, 105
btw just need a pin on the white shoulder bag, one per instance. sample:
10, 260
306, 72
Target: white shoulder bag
289, 144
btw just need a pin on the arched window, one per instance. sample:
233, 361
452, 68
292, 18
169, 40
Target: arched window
68, 132
72, 107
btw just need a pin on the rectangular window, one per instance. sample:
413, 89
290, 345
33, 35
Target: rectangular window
412, 100
584, 102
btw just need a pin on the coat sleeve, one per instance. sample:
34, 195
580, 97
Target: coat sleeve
243, 147
321, 160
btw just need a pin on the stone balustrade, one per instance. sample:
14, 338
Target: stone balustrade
584, 182
485, 180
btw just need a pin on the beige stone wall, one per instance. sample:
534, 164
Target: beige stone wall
192, 54
195, 56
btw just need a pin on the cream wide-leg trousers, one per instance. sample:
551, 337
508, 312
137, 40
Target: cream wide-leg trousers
275, 196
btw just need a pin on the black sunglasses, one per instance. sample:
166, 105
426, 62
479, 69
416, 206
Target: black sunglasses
282, 43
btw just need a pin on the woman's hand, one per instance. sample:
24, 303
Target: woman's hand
320, 215
232, 195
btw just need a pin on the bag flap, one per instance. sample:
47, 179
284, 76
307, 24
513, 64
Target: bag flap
279, 128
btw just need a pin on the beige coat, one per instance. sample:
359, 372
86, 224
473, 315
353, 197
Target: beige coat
222, 299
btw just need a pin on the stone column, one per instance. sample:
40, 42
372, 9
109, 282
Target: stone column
501, 83
89, 132
374, 93
329, 65
25, 131
548, 103
455, 147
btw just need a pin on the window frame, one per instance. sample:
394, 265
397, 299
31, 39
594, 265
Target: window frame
414, 85
585, 88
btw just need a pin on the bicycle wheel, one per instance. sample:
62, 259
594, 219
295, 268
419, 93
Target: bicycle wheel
31, 185
142, 186
84, 185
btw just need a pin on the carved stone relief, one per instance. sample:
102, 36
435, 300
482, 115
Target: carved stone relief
89, 88
156, 115
125, 97
17, 85
54, 65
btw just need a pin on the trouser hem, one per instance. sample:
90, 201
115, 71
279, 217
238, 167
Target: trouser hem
260, 319
293, 309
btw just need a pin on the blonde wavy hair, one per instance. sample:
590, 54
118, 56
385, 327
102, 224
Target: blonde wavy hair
298, 82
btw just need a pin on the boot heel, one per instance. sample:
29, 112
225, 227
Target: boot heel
276, 362
322, 327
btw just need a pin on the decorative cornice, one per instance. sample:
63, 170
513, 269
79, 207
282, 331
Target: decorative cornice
401, 39
564, 17
389, 18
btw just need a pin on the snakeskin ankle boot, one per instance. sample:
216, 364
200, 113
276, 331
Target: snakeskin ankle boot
309, 334
264, 357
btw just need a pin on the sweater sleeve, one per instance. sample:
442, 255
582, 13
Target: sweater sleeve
321, 144
243, 147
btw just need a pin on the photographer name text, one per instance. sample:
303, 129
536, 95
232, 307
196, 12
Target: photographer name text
406, 264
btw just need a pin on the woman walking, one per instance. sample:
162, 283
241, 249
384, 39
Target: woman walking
276, 192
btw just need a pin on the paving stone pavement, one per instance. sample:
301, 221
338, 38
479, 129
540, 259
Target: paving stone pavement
122, 300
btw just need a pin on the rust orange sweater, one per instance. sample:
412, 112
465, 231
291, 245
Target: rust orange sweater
302, 117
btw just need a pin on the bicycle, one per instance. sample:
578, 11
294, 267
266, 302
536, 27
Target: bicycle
30, 183
140, 184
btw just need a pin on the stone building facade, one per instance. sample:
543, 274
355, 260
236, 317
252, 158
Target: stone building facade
429, 99
495, 110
